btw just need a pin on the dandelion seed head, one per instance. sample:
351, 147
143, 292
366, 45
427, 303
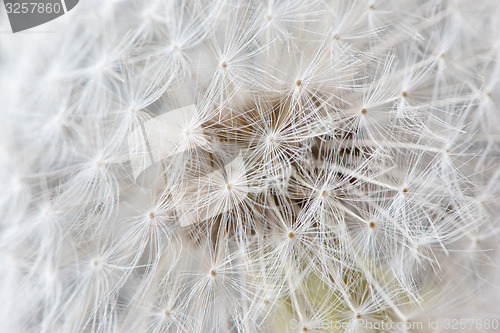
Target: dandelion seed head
316, 162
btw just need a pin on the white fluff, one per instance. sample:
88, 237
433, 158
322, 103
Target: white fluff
251, 166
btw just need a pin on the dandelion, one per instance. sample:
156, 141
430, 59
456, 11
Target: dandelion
251, 166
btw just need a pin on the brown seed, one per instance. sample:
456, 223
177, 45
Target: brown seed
212, 273
364, 111
290, 235
405, 190
371, 225
298, 83
223, 64
151, 215
404, 94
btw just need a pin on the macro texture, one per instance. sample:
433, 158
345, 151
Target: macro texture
252, 166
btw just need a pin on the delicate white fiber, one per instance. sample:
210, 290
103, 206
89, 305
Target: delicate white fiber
252, 166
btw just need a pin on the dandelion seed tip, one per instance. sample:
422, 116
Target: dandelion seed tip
404, 94
404, 190
371, 7
336, 36
291, 235
95, 263
268, 17
298, 83
324, 193
371, 225
229, 187
99, 66
488, 93
151, 215
266, 302
213, 273
364, 111
46, 212
223, 64
147, 14
166, 313
447, 151
358, 316
305, 329
58, 120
